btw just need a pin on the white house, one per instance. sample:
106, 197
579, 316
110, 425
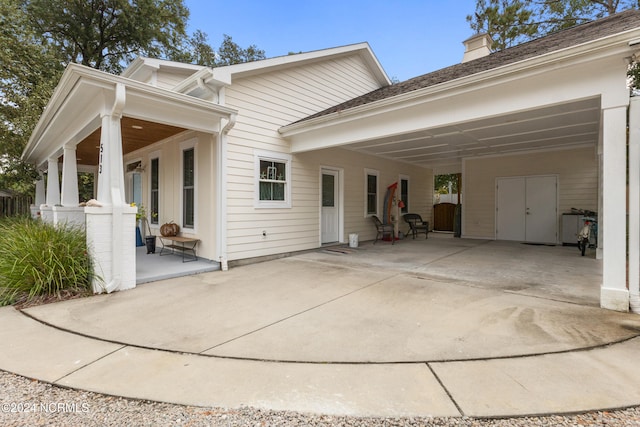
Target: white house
289, 153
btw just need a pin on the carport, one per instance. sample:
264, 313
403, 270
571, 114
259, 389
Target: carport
552, 108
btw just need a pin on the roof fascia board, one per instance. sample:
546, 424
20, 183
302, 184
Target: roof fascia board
279, 62
217, 77
66, 91
152, 64
608, 46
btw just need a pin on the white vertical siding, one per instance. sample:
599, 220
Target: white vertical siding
577, 172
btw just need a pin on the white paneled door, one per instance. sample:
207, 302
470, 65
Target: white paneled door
330, 206
527, 209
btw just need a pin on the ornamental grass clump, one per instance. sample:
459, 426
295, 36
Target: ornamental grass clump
42, 262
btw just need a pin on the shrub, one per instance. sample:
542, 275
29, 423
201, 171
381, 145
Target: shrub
39, 260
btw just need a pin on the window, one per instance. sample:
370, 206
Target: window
371, 192
155, 190
188, 188
404, 193
273, 172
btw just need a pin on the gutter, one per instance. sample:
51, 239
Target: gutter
461, 84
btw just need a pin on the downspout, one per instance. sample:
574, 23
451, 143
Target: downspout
117, 198
221, 192
634, 205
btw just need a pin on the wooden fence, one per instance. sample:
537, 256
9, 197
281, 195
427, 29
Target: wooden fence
15, 205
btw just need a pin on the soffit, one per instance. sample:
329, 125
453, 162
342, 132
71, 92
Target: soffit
553, 127
136, 134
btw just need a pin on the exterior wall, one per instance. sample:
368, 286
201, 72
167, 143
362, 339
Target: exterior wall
577, 172
169, 152
354, 165
265, 103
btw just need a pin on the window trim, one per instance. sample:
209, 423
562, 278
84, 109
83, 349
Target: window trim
406, 202
185, 146
272, 157
152, 157
367, 173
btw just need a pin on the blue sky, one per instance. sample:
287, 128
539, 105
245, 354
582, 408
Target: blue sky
409, 38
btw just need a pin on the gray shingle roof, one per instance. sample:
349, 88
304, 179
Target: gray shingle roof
594, 30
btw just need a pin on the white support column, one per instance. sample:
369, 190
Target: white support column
612, 216
111, 227
111, 190
40, 192
634, 205
53, 183
39, 199
70, 196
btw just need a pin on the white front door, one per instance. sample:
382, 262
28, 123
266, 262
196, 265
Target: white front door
330, 215
526, 209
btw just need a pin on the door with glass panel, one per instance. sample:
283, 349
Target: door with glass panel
330, 208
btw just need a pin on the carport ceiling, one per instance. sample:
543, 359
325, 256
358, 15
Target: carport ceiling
559, 126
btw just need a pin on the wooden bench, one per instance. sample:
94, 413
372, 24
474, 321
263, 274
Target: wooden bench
183, 244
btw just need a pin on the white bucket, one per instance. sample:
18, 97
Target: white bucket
353, 240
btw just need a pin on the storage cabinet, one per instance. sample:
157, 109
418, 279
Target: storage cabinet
571, 226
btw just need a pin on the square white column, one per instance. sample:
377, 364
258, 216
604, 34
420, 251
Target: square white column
70, 196
53, 183
612, 216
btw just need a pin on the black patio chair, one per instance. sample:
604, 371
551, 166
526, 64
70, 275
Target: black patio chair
383, 230
416, 225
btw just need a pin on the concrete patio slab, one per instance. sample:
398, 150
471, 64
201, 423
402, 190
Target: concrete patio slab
407, 319
381, 390
568, 382
437, 327
35, 350
150, 267
195, 313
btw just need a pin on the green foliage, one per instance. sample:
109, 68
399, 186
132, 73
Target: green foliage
107, 34
29, 70
441, 183
40, 260
508, 22
198, 51
511, 22
230, 53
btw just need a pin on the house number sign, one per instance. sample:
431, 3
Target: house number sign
100, 163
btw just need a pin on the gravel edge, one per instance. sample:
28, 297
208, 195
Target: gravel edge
30, 402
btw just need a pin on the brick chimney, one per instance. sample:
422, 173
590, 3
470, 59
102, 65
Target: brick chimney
477, 46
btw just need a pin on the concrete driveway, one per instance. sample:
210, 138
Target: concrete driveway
424, 327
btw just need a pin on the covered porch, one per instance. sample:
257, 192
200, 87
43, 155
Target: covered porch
93, 120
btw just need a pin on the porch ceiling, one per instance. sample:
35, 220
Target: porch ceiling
136, 134
559, 126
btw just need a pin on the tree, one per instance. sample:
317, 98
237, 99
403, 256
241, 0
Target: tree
230, 53
107, 34
507, 22
198, 51
511, 22
441, 183
29, 71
